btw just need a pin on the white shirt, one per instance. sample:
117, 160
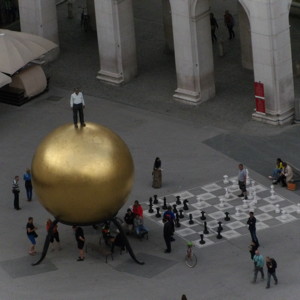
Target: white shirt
76, 99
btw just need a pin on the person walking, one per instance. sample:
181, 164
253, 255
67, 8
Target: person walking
54, 235
229, 23
252, 227
259, 265
157, 174
168, 232
77, 104
79, 236
16, 192
28, 184
32, 235
271, 267
242, 179
213, 26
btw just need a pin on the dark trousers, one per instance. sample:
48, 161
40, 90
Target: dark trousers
230, 31
16, 200
168, 242
253, 235
78, 109
28, 187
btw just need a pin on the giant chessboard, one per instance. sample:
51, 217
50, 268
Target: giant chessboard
207, 198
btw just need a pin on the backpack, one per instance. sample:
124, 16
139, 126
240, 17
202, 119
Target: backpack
274, 263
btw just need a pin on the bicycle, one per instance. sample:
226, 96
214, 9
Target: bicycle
190, 257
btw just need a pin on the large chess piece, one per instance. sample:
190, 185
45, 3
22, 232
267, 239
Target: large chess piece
237, 212
272, 192
178, 202
185, 206
203, 215
277, 210
177, 221
225, 180
181, 216
220, 228
151, 211
158, 214
191, 222
227, 218
283, 215
175, 209
221, 204
227, 195
205, 230
165, 204
202, 242
155, 201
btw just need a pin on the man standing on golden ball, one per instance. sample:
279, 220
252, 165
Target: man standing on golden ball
77, 104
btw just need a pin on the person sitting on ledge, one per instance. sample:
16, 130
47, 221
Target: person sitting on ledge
277, 171
286, 175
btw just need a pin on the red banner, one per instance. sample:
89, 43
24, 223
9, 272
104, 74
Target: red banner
259, 89
259, 97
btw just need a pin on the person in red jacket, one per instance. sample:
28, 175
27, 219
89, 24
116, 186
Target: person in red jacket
137, 208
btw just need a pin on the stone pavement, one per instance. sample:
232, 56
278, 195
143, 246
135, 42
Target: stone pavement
197, 145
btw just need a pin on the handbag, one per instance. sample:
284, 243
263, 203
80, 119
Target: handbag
291, 186
35, 234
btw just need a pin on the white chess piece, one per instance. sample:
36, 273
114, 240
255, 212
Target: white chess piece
227, 193
237, 211
225, 180
250, 196
273, 196
298, 208
245, 205
277, 210
283, 216
221, 202
247, 177
252, 183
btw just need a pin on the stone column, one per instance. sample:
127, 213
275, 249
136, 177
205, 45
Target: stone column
245, 38
272, 59
193, 51
116, 40
39, 17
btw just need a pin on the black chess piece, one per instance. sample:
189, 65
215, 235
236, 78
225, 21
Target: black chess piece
177, 221
165, 204
219, 236
202, 242
155, 201
220, 226
181, 216
203, 216
175, 209
151, 211
185, 206
178, 202
158, 214
150, 201
205, 231
191, 222
227, 218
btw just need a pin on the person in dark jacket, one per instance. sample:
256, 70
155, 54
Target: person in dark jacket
129, 220
252, 227
271, 267
168, 232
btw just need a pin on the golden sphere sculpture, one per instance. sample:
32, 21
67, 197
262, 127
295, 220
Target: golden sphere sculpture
82, 176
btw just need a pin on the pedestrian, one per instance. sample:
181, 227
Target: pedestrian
16, 192
252, 248
128, 221
77, 104
28, 184
242, 179
54, 234
137, 208
168, 231
259, 265
79, 236
229, 23
157, 174
271, 267
213, 26
252, 227
169, 214
32, 235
